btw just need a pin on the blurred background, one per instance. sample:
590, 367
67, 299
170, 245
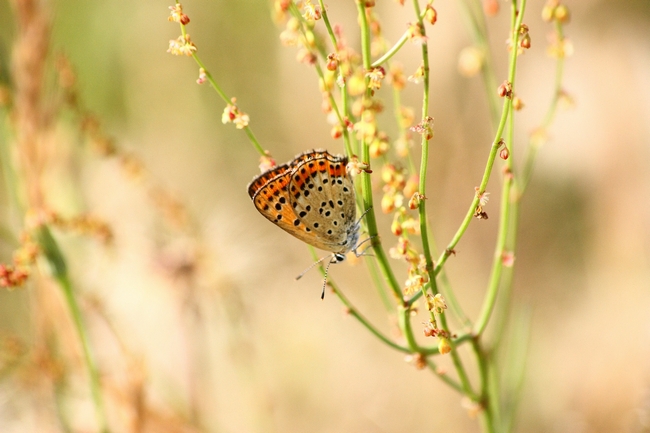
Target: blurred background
200, 326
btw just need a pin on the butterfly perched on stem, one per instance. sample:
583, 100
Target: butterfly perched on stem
312, 198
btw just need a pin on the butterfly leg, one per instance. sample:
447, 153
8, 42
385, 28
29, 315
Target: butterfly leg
363, 252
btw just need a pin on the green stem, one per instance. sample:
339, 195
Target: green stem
531, 153
424, 160
326, 20
497, 263
403, 316
491, 295
458, 341
395, 48
354, 312
392, 51
517, 368
444, 377
249, 132
379, 284
343, 88
478, 28
59, 270
507, 104
366, 185
365, 34
487, 414
373, 330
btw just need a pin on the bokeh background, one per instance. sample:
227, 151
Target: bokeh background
205, 329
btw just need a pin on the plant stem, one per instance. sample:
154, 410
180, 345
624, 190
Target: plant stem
354, 312
395, 48
487, 414
424, 159
59, 270
490, 298
249, 132
366, 184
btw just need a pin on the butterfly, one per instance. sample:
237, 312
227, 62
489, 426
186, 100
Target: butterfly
312, 198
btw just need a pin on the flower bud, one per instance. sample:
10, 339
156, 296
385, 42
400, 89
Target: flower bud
396, 226
548, 11
444, 346
388, 203
336, 132
561, 14
490, 7
414, 201
412, 185
431, 15
332, 62
505, 90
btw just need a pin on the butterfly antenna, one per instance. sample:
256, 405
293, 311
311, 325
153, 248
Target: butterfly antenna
327, 268
312, 265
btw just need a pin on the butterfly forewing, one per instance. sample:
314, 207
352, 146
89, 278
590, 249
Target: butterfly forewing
269, 194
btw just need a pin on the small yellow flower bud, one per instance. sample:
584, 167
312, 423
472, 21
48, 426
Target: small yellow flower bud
412, 185
431, 15
444, 346
561, 14
336, 132
547, 12
414, 201
388, 203
396, 227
